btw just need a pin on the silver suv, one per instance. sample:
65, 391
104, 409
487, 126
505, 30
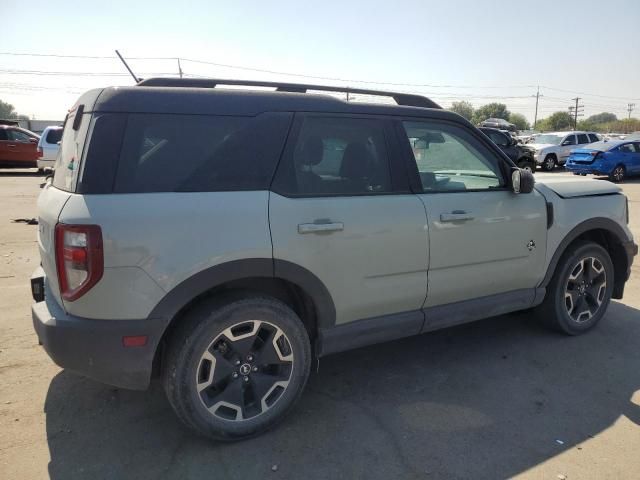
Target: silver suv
552, 149
224, 239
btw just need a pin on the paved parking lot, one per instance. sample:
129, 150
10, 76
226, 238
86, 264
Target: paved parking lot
494, 399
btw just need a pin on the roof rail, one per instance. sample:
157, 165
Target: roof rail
406, 99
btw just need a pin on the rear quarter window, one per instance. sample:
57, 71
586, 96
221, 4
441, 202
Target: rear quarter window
196, 153
71, 147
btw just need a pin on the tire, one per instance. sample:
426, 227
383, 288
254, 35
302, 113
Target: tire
527, 165
549, 163
618, 174
580, 290
235, 368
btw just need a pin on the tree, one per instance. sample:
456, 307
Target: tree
557, 121
7, 111
603, 117
491, 110
519, 121
463, 108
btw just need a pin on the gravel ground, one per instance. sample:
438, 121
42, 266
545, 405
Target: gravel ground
493, 399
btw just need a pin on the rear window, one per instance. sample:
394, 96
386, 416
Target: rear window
195, 153
54, 136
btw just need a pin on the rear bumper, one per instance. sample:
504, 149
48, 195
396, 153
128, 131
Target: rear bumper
586, 168
94, 348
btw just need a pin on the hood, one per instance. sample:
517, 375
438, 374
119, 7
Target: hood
571, 187
540, 146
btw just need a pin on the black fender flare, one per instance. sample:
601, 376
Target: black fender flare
182, 294
598, 223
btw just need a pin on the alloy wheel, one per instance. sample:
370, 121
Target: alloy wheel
245, 370
549, 163
585, 289
618, 173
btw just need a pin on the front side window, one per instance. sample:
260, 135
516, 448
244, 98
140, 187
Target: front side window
594, 138
450, 159
569, 140
498, 138
337, 156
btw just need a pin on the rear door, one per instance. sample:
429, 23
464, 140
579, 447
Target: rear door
341, 208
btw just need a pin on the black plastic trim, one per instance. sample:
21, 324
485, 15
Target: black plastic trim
442, 316
94, 348
591, 224
368, 332
549, 215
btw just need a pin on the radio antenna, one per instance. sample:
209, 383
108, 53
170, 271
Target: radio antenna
127, 67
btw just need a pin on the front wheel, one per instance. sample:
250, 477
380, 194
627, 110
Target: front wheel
580, 291
527, 165
618, 174
549, 163
234, 369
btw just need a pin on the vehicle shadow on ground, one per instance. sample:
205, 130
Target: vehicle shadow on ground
484, 400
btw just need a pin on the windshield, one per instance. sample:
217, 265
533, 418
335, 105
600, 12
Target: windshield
552, 139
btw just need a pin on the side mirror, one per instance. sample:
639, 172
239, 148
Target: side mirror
522, 181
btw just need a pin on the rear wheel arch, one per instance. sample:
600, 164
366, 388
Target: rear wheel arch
293, 285
604, 232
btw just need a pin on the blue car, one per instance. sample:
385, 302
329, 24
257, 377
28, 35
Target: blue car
617, 159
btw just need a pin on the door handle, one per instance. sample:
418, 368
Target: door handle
456, 216
320, 227
11, 146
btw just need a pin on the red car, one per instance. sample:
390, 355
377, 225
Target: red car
18, 147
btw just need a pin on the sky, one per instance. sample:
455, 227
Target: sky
478, 51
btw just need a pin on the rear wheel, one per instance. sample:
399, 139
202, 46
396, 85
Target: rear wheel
618, 174
549, 163
580, 291
235, 369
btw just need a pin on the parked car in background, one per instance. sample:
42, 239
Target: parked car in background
499, 123
18, 147
616, 159
633, 136
522, 155
48, 147
553, 149
614, 136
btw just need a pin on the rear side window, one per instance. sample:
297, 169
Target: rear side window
3, 134
54, 136
582, 138
196, 153
336, 156
71, 147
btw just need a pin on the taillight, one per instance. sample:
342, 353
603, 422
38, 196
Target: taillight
596, 155
79, 258
40, 152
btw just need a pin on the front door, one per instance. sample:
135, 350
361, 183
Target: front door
568, 144
483, 238
344, 213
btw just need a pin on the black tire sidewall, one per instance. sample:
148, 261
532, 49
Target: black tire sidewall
556, 288
211, 323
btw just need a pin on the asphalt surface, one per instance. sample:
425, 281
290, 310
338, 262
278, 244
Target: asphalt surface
494, 399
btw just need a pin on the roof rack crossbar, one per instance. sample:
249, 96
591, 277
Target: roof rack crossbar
406, 99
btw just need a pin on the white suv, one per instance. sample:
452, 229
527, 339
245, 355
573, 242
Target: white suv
553, 148
48, 147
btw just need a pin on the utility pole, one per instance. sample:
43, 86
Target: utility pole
576, 112
179, 68
630, 107
537, 95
